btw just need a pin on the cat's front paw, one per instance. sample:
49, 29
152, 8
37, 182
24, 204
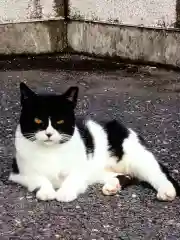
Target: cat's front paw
65, 195
166, 193
46, 194
111, 187
14, 177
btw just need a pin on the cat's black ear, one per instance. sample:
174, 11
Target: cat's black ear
72, 94
26, 92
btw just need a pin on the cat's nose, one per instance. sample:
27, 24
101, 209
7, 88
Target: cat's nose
48, 135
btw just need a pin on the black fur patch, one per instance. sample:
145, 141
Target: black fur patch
125, 181
116, 133
15, 168
86, 136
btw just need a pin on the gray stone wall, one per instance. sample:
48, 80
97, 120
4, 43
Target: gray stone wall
141, 30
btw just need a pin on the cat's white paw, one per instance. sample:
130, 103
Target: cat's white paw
22, 180
13, 177
46, 194
167, 192
31, 188
111, 187
65, 195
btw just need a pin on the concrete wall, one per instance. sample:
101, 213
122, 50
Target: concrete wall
29, 10
142, 30
25, 27
138, 44
149, 13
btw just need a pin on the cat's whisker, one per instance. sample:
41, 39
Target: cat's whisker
32, 139
29, 135
64, 136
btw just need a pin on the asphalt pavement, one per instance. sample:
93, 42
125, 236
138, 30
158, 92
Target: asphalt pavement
144, 98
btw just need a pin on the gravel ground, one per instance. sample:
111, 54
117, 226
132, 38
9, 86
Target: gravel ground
145, 98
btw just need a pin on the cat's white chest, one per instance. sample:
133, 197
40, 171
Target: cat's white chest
50, 161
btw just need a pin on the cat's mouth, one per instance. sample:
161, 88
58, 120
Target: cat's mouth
48, 142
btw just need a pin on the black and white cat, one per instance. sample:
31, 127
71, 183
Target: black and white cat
61, 157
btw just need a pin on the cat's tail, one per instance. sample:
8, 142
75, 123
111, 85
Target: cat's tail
171, 179
126, 180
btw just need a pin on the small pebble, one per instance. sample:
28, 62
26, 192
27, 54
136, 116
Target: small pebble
57, 236
170, 222
106, 226
29, 197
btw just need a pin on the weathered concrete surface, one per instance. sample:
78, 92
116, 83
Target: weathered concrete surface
39, 35
33, 38
144, 98
140, 44
156, 13
130, 43
14, 11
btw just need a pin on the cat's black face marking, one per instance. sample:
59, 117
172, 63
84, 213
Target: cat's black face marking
38, 109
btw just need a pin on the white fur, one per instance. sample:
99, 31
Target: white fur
50, 166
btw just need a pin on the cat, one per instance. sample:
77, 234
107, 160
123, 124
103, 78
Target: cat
59, 156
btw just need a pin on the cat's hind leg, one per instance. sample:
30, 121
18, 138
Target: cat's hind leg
139, 162
114, 182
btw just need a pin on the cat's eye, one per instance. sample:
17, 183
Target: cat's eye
60, 122
37, 120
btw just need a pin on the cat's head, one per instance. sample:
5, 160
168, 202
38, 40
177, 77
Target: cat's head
48, 119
